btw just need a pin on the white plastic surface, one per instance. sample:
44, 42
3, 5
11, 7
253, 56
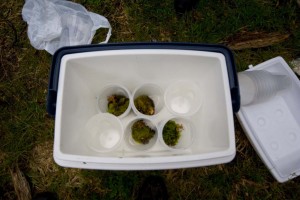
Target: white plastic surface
83, 76
273, 126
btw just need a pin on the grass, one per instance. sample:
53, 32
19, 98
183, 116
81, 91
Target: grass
26, 131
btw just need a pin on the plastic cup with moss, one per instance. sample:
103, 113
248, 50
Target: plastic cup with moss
114, 99
147, 100
176, 133
141, 134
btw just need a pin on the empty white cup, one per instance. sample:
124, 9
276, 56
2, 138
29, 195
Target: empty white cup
109, 90
185, 140
104, 132
259, 85
154, 92
183, 98
132, 144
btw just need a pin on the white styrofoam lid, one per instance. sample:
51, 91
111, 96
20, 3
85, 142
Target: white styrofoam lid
273, 126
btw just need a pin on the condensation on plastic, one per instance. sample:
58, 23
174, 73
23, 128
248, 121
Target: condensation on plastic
56, 23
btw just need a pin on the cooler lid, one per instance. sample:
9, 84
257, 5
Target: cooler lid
273, 126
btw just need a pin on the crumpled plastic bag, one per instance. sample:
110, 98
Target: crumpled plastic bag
56, 23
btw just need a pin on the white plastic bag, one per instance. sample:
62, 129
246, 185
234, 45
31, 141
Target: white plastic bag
56, 23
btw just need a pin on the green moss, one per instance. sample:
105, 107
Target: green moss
172, 132
117, 104
145, 105
141, 133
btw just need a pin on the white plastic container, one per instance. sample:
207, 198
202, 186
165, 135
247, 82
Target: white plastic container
183, 98
104, 132
273, 125
83, 74
271, 121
